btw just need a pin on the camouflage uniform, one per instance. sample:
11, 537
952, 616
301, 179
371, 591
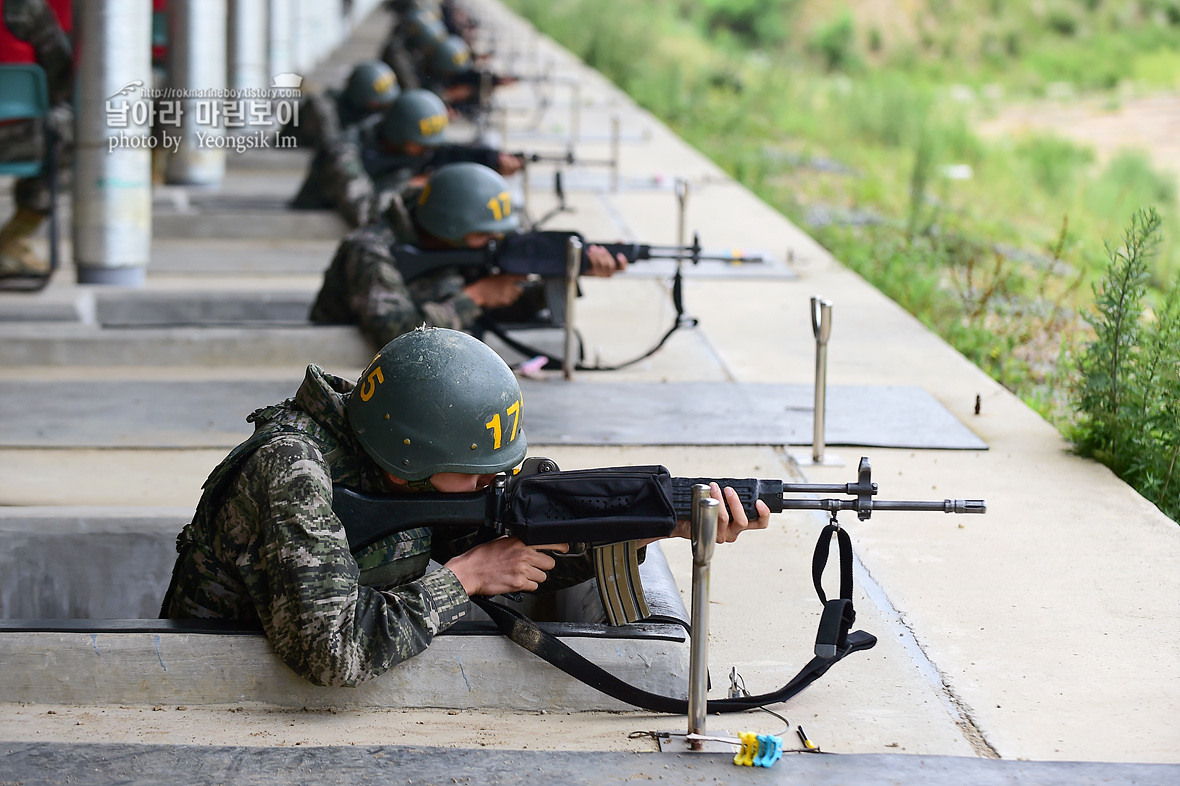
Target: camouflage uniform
33, 21
363, 286
265, 548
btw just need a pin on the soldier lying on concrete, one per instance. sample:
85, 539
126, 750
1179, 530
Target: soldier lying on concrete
323, 117
265, 547
462, 205
359, 175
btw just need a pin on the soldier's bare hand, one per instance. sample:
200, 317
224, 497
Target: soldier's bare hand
731, 517
495, 291
508, 164
504, 565
603, 264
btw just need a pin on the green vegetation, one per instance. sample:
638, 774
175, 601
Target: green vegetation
1128, 394
859, 121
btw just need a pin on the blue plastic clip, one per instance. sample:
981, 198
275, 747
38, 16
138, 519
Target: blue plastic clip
770, 750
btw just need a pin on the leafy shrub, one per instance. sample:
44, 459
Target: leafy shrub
1128, 393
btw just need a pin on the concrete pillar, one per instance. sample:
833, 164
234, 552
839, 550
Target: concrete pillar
247, 38
279, 54
196, 62
112, 224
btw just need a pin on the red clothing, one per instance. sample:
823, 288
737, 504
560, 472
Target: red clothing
14, 50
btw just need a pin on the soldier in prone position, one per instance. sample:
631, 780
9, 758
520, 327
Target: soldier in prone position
266, 548
462, 205
359, 174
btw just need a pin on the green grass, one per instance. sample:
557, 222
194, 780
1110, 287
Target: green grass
996, 245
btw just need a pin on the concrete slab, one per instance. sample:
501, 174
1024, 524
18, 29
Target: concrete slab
216, 256
30, 762
58, 344
250, 221
178, 414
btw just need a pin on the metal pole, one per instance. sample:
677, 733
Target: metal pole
682, 188
247, 45
705, 510
196, 61
573, 265
821, 327
575, 111
615, 122
112, 224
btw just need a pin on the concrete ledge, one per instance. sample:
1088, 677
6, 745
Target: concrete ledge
456, 671
250, 224
87, 345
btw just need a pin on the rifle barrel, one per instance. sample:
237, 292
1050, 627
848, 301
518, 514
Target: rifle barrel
932, 506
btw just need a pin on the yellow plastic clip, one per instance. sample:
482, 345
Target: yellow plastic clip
803, 738
745, 756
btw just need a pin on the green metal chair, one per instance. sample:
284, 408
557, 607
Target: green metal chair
24, 94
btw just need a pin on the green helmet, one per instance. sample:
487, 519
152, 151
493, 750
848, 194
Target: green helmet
423, 30
462, 198
438, 400
371, 85
417, 116
450, 58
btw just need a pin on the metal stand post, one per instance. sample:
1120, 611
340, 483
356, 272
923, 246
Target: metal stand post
573, 265
575, 111
821, 326
614, 152
704, 539
682, 189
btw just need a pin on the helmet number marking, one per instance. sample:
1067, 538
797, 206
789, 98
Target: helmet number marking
501, 205
382, 83
374, 379
497, 430
432, 125
514, 411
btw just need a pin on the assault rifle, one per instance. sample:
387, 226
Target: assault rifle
542, 253
608, 509
568, 158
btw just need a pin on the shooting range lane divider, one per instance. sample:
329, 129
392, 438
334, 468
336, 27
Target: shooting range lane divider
174, 414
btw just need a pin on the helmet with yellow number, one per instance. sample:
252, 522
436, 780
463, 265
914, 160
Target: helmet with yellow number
438, 400
371, 85
465, 197
450, 58
417, 116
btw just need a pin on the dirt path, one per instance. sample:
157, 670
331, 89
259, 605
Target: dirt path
1151, 124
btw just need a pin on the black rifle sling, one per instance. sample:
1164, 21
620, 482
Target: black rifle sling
487, 323
833, 643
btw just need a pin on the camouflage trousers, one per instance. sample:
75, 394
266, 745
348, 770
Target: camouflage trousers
24, 140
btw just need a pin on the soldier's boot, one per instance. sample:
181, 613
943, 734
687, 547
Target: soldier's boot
17, 257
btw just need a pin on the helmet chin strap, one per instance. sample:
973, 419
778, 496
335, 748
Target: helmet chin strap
420, 485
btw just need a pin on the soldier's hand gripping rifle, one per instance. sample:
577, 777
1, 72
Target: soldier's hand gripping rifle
543, 254
606, 509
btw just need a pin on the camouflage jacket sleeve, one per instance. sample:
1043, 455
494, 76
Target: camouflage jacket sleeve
319, 124
385, 307
296, 566
346, 184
